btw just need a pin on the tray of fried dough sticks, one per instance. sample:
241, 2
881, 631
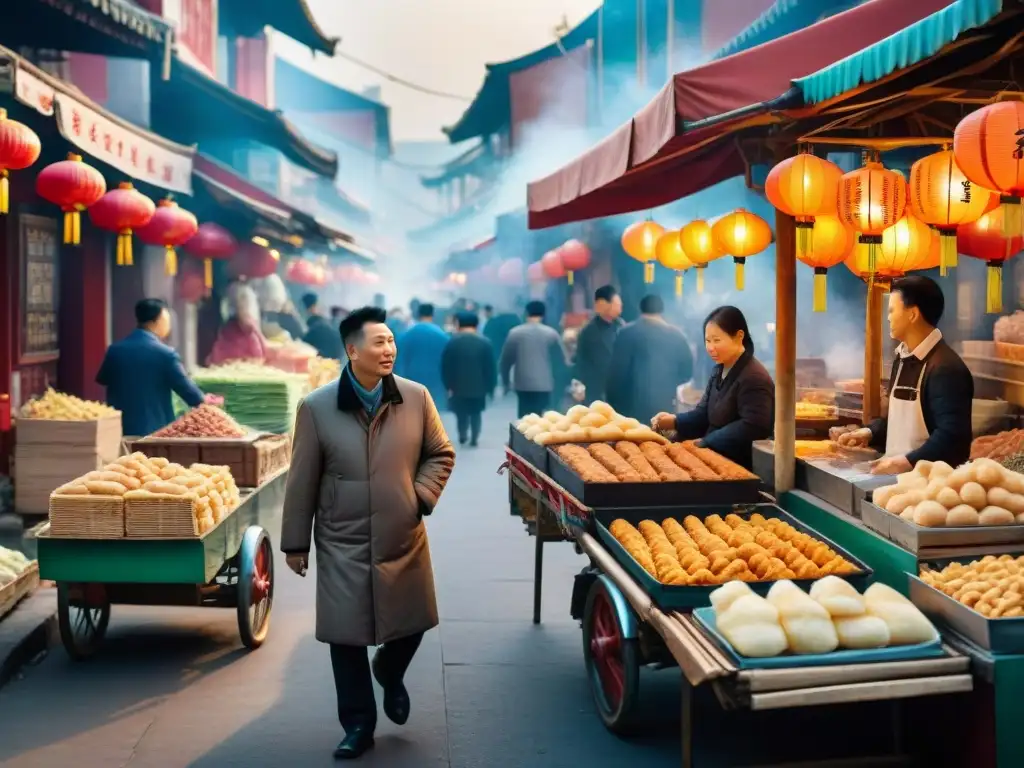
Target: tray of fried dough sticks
687, 596
704, 486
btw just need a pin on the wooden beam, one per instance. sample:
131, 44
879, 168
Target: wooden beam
785, 352
873, 351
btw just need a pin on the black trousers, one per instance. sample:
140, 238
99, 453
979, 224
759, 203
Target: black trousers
468, 416
354, 685
533, 402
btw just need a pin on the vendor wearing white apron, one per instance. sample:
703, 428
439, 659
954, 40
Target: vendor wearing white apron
930, 388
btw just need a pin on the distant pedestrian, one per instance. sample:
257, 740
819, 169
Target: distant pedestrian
419, 353
498, 328
397, 322
485, 316
532, 360
470, 375
319, 333
596, 341
649, 360
370, 459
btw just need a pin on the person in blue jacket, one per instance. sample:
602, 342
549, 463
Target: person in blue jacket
419, 354
141, 371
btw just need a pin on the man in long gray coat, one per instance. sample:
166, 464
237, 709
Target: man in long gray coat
370, 459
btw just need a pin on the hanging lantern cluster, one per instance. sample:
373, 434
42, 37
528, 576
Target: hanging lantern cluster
575, 256
905, 247
670, 254
74, 186
804, 187
640, 241
988, 147
699, 245
741, 234
171, 227
19, 148
551, 263
871, 199
984, 239
254, 261
211, 241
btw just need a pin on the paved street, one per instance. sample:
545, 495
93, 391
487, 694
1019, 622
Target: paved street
173, 687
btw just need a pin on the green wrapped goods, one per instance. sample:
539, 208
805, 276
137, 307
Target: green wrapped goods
259, 397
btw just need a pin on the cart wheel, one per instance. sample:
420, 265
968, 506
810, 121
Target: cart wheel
255, 586
83, 624
612, 660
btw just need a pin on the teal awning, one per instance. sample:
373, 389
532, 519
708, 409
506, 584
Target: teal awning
904, 49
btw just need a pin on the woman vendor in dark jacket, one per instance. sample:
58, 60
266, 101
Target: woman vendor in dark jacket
738, 406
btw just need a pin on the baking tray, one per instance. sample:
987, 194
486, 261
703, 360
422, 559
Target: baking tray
915, 538
675, 597
930, 650
536, 454
692, 493
996, 635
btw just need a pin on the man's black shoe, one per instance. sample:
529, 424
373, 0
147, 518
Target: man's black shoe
355, 743
396, 698
473, 444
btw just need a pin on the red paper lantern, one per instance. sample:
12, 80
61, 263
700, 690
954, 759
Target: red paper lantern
74, 186
535, 273
984, 239
254, 261
552, 265
190, 284
511, 272
122, 210
211, 241
575, 256
302, 272
19, 148
986, 145
170, 227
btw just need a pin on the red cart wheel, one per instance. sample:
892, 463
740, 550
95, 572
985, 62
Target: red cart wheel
612, 660
255, 587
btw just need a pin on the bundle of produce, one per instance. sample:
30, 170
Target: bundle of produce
834, 615
999, 446
57, 406
323, 370
203, 421
992, 586
715, 551
1009, 329
138, 477
981, 492
598, 423
291, 356
12, 565
649, 462
260, 397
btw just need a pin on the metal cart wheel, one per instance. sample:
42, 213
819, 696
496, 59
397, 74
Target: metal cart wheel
82, 620
612, 657
255, 586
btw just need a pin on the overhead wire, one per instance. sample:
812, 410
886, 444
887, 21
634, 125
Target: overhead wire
401, 80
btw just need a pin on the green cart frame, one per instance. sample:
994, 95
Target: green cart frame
232, 566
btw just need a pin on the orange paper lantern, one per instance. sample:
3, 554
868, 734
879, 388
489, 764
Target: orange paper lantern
984, 239
700, 247
670, 254
741, 234
804, 187
640, 241
871, 199
942, 195
905, 247
831, 242
989, 148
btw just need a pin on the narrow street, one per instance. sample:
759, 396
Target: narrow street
173, 687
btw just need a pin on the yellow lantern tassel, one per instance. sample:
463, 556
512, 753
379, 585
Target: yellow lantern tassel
120, 251
569, 275
124, 245
76, 228
5, 192
208, 273
648, 272
994, 292
820, 289
68, 229
170, 261
1013, 218
679, 284
700, 279
804, 237
947, 252
741, 272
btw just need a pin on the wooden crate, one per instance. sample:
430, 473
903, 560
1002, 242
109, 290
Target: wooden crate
14, 592
86, 517
164, 518
253, 460
102, 437
39, 469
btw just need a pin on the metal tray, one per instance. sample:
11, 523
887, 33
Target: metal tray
536, 454
930, 650
915, 538
692, 493
996, 635
674, 597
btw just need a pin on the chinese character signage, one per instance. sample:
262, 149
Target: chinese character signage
40, 286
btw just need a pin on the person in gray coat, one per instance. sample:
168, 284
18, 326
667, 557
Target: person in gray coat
370, 459
532, 360
650, 358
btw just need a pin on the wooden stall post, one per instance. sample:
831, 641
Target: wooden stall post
873, 352
785, 352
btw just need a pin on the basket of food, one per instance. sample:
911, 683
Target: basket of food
681, 560
830, 624
179, 502
983, 600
